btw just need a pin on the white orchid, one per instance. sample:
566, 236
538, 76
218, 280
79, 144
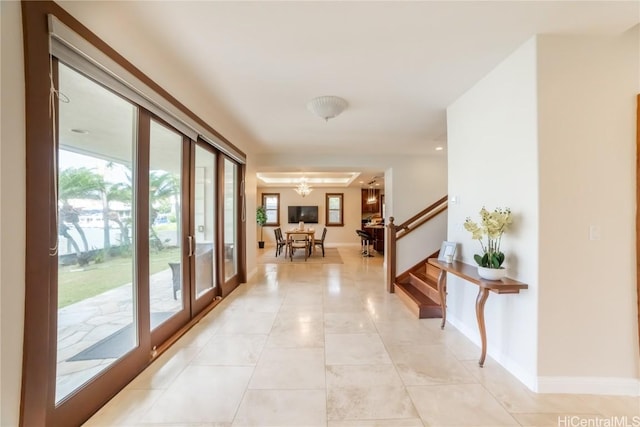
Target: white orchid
493, 225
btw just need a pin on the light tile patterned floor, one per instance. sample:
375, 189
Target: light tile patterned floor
325, 345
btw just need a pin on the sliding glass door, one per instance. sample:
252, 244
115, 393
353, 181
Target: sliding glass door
204, 240
168, 262
97, 288
133, 220
137, 234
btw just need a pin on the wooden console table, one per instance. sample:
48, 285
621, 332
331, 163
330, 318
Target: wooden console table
470, 273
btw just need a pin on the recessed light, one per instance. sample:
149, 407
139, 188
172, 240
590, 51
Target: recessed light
439, 148
80, 131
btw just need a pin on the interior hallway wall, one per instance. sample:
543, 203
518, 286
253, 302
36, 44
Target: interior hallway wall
550, 133
588, 312
493, 162
12, 212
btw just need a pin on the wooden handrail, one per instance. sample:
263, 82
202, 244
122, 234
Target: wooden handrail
396, 232
425, 211
400, 234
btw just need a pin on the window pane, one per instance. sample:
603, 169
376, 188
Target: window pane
271, 202
205, 219
96, 286
334, 209
230, 215
165, 260
272, 216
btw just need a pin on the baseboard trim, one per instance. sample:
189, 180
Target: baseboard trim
611, 386
252, 274
526, 378
590, 385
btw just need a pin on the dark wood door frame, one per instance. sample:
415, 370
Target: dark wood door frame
37, 405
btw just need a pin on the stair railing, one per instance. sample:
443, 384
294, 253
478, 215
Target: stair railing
397, 232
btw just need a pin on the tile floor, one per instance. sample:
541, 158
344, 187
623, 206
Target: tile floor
325, 345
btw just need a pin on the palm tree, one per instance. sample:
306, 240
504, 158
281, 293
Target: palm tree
85, 183
75, 183
162, 186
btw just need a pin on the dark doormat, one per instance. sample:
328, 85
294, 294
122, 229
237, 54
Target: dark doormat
118, 343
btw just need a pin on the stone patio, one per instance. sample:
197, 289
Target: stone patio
87, 322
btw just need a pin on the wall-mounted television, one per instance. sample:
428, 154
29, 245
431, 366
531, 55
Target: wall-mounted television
308, 214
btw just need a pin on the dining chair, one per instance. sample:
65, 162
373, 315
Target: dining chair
280, 242
320, 242
299, 241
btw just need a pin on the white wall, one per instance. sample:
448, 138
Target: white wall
250, 216
336, 236
550, 133
588, 309
492, 140
415, 184
12, 213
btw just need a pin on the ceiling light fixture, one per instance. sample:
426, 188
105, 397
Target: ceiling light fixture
303, 188
371, 194
327, 107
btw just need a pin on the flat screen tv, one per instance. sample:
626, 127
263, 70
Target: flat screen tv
308, 214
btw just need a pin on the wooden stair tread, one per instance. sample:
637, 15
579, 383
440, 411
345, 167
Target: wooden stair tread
433, 271
425, 284
417, 301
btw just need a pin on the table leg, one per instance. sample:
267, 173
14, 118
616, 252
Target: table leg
442, 292
483, 294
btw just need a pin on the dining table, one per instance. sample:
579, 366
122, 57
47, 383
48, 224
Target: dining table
311, 232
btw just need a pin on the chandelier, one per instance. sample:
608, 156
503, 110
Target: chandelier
303, 188
327, 107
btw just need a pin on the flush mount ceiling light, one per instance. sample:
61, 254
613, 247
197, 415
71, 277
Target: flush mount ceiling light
327, 107
303, 188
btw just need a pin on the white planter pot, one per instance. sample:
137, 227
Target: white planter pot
491, 273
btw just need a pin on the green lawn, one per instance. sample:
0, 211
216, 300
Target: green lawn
76, 283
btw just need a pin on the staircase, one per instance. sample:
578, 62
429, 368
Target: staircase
418, 289
418, 286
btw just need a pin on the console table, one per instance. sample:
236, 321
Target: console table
470, 273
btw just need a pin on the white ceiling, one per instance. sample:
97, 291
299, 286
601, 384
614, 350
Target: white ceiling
398, 64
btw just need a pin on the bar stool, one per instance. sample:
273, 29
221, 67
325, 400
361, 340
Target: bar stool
366, 240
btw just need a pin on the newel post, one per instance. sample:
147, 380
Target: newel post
391, 261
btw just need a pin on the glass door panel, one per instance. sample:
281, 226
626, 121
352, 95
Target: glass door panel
96, 288
230, 219
165, 224
204, 220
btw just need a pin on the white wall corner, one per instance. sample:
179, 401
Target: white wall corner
590, 385
252, 274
